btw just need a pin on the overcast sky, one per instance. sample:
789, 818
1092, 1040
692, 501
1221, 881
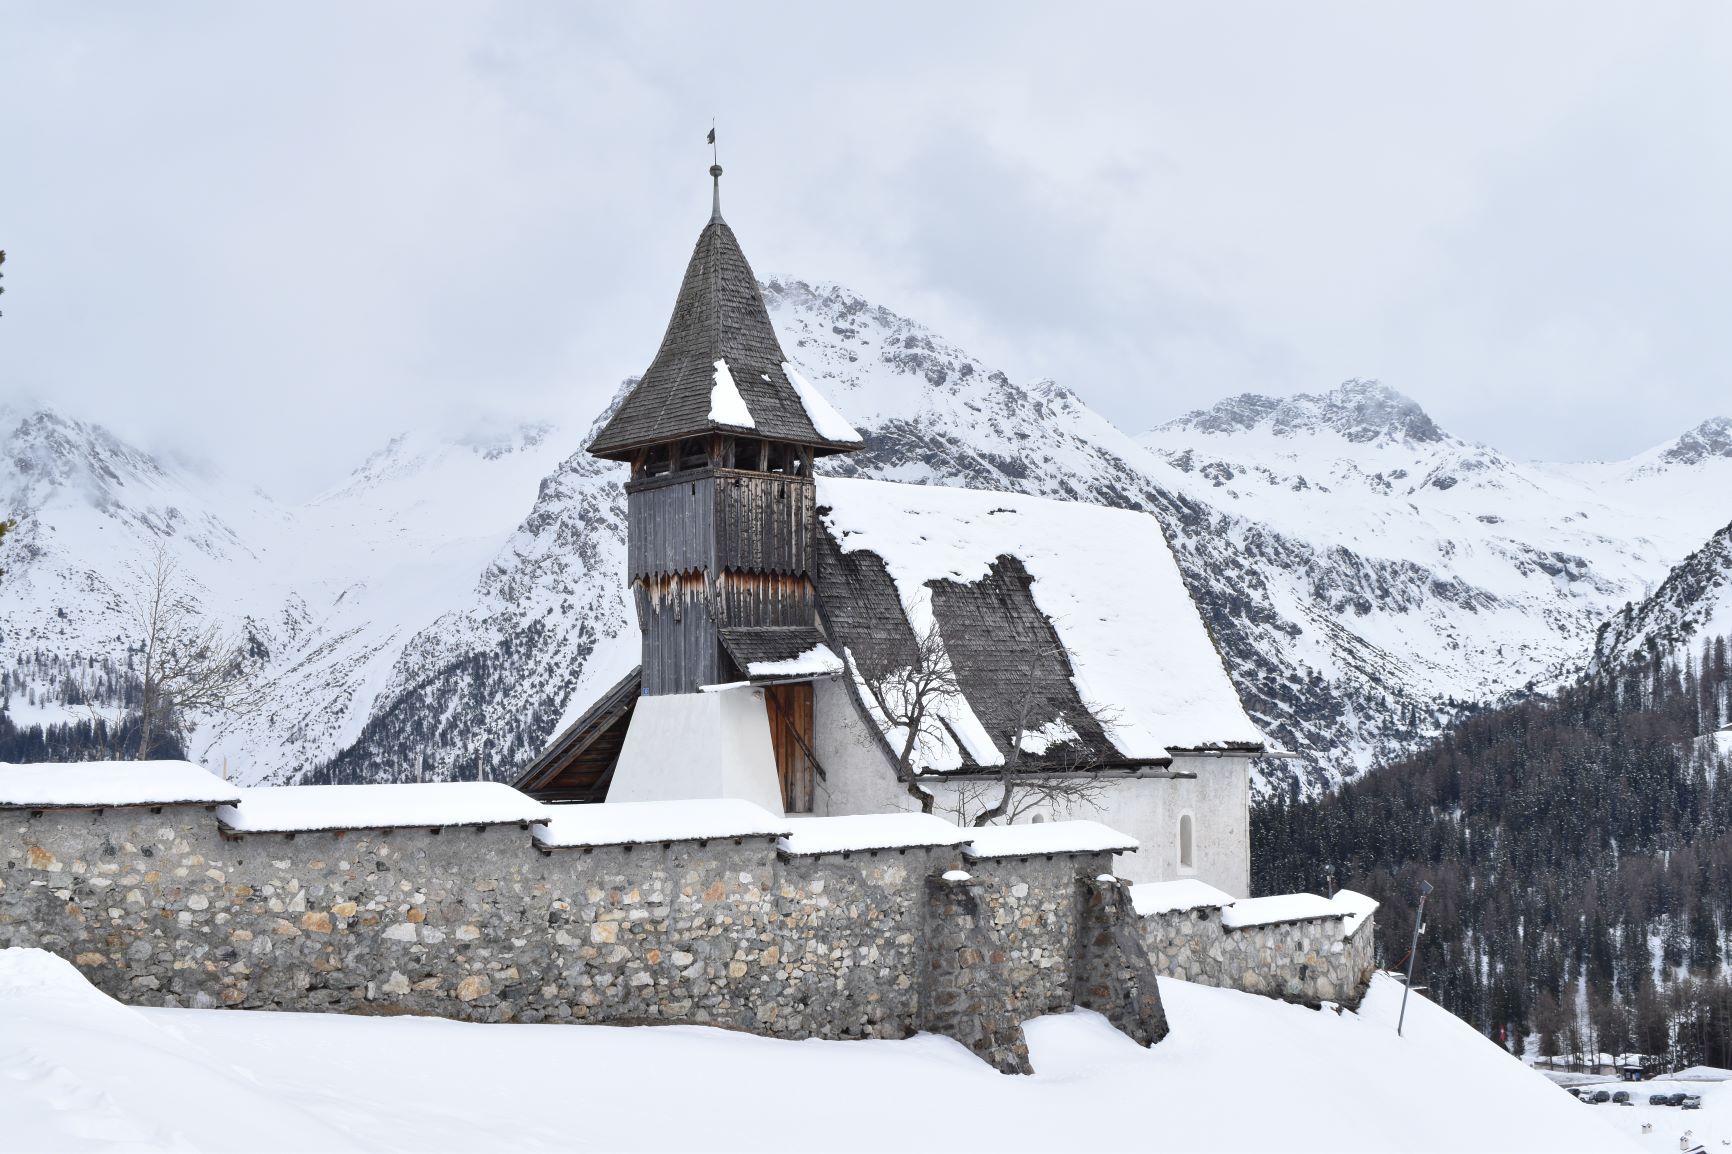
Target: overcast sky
272, 237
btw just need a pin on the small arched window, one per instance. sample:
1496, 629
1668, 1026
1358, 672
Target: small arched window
1187, 859
1037, 819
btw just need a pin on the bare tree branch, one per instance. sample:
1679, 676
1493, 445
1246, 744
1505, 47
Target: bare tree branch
186, 663
911, 687
1060, 782
914, 689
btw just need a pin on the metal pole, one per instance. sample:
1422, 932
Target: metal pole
1413, 952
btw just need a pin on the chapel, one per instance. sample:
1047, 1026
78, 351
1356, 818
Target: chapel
821, 645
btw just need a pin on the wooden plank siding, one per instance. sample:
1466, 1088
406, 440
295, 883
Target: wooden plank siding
721, 519
765, 522
671, 526
682, 648
790, 711
759, 600
714, 548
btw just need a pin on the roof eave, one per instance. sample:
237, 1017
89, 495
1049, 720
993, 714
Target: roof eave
622, 448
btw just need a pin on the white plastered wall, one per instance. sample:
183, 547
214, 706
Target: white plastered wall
860, 778
693, 745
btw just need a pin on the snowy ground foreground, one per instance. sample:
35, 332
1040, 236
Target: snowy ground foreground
79, 1072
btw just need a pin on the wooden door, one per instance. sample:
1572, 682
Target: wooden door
790, 709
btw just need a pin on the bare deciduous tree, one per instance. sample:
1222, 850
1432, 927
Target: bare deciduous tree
186, 664
910, 690
914, 689
1061, 780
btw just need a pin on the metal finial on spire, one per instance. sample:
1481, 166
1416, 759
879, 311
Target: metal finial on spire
715, 176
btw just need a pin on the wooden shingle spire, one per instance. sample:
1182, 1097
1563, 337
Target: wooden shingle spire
719, 315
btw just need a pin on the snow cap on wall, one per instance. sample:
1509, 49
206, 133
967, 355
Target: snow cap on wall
106, 784
306, 808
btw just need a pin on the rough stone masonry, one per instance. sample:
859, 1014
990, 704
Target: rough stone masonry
1306, 960
163, 906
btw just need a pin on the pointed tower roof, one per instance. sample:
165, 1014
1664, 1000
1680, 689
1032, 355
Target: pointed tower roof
720, 367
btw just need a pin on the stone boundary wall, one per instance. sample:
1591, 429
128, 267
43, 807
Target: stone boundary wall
164, 907
1309, 961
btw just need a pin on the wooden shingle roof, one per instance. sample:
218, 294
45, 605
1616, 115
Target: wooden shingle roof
578, 763
718, 316
770, 643
1008, 663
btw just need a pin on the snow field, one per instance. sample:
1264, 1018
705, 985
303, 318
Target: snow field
83, 1073
1710, 1126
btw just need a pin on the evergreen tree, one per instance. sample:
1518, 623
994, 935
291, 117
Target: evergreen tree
1566, 837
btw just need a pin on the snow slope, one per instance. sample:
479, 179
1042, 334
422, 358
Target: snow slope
1363, 573
327, 594
1238, 1072
1692, 604
1413, 570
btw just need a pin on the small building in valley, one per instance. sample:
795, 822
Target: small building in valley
828, 646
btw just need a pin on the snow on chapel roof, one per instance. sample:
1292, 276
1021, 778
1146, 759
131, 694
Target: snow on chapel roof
1059, 617
110, 784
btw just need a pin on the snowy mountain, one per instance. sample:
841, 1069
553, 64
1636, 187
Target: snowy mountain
1411, 571
326, 594
1693, 603
1365, 573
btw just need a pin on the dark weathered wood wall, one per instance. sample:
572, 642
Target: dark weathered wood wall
714, 548
681, 648
721, 520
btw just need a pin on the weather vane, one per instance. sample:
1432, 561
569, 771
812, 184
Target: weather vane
715, 174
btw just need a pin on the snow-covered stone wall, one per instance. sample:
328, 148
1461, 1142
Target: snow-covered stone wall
1310, 960
167, 907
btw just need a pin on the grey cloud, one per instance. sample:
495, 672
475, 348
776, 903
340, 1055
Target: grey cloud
273, 237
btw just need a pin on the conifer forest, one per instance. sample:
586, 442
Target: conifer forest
1580, 846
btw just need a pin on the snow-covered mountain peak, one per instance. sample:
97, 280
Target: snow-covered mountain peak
1358, 411
1693, 602
44, 453
76, 488
1712, 438
419, 452
868, 359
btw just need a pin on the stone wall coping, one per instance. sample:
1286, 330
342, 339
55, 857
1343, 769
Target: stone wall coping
1183, 895
410, 805
1046, 838
111, 785
812, 836
1347, 906
656, 822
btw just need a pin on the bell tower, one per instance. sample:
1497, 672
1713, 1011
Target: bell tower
721, 434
